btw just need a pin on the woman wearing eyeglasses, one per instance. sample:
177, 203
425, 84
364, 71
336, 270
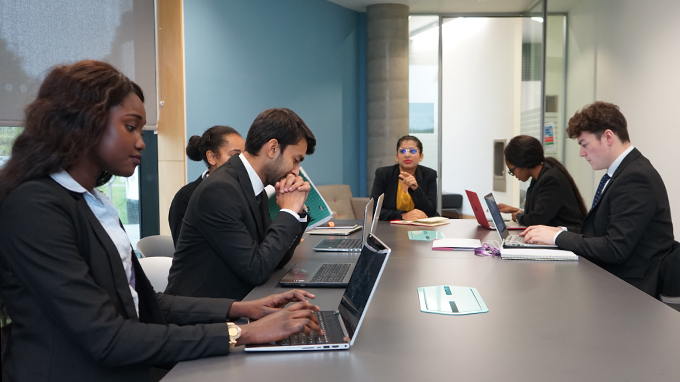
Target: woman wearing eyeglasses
552, 198
410, 189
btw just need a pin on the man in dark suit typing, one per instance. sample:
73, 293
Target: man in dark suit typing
228, 243
628, 229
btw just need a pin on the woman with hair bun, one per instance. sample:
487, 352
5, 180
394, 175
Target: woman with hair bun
214, 147
552, 198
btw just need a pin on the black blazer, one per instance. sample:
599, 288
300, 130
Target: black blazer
551, 201
65, 289
178, 207
630, 227
226, 248
424, 197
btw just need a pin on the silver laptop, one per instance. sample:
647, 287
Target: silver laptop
509, 241
354, 245
341, 327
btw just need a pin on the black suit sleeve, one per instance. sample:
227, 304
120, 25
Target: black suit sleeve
380, 187
221, 224
47, 262
426, 201
548, 200
182, 310
632, 204
178, 208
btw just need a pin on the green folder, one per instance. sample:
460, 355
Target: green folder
318, 211
425, 235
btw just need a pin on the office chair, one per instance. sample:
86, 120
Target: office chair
157, 270
451, 205
669, 278
156, 245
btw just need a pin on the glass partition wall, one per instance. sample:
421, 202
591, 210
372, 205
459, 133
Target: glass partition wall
477, 80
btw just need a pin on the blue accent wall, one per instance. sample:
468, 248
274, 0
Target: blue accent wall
243, 57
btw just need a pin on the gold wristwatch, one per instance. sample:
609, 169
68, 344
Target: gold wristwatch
234, 334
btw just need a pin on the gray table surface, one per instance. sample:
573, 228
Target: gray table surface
547, 321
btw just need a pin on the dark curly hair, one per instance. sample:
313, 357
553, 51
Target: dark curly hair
281, 124
66, 121
596, 118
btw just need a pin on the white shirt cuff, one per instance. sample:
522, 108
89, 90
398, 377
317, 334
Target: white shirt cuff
558, 234
295, 215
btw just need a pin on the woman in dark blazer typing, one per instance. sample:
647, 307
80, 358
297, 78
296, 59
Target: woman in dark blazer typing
552, 198
81, 307
410, 189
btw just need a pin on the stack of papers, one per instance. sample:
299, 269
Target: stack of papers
537, 254
428, 222
456, 244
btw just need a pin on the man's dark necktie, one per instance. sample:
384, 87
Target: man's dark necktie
600, 188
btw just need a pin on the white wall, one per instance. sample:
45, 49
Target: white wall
627, 52
481, 102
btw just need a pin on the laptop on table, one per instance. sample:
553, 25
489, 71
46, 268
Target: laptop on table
331, 275
341, 327
481, 216
355, 245
509, 241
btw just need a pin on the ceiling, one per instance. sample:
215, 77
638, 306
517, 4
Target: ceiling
462, 6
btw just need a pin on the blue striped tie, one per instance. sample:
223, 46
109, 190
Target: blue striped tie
604, 180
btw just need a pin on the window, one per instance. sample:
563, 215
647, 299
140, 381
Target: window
7, 137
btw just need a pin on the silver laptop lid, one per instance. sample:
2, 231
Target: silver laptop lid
376, 214
362, 285
368, 219
496, 216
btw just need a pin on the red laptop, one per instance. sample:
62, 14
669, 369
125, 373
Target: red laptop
481, 216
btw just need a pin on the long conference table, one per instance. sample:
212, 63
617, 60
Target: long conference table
547, 321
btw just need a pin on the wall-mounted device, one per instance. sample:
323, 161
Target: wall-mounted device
499, 183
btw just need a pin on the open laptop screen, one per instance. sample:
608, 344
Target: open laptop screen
496, 216
362, 284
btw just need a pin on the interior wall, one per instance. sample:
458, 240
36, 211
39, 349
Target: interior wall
634, 62
243, 57
481, 69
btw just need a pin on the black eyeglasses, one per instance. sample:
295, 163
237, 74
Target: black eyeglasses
511, 171
403, 151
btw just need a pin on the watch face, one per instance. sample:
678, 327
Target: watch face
233, 331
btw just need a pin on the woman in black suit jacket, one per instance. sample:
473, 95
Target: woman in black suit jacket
214, 147
552, 198
410, 189
81, 307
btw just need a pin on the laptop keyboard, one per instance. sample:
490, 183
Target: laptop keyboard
514, 239
349, 243
312, 338
331, 273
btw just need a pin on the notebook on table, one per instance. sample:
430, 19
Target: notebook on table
509, 241
341, 327
425, 222
537, 254
481, 216
354, 245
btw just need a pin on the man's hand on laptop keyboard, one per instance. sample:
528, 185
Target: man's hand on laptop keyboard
540, 234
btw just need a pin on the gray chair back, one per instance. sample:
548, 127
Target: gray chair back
156, 245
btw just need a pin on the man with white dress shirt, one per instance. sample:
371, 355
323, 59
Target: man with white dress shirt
228, 243
628, 229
